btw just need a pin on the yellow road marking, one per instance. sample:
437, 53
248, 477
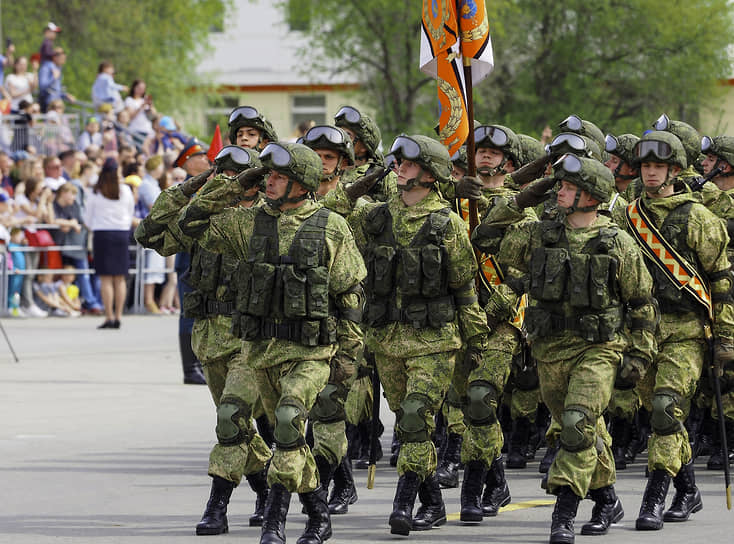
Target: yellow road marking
513, 506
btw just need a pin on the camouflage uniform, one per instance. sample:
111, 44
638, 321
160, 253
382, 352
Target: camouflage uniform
212, 340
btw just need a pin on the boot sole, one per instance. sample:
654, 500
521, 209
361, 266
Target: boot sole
202, 531
494, 513
471, 519
436, 523
594, 532
647, 526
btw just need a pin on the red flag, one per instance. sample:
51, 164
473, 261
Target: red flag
216, 146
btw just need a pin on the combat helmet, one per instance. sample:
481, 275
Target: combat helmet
502, 138
587, 174
296, 161
688, 136
429, 154
720, 146
236, 158
623, 147
575, 143
364, 128
247, 116
530, 149
330, 137
664, 147
460, 158
574, 123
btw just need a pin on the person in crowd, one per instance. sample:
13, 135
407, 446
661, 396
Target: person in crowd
139, 106
21, 83
72, 232
109, 215
53, 173
147, 193
50, 33
90, 136
47, 294
105, 90
6, 182
50, 77
69, 164
69, 291
15, 281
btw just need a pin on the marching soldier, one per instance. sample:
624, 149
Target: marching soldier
584, 276
298, 306
685, 249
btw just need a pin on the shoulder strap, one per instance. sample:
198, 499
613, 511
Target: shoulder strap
664, 255
434, 229
266, 226
313, 228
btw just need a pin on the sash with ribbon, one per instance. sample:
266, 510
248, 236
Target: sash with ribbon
658, 250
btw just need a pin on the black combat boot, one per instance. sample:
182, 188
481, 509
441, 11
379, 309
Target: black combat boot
259, 484
318, 525
547, 460
564, 513
687, 499
365, 441
192, 373
621, 431
432, 512
475, 473
401, 519
447, 472
214, 520
607, 510
265, 430
653, 502
344, 493
496, 491
276, 510
716, 461
519, 441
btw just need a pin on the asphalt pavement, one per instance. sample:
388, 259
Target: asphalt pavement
101, 442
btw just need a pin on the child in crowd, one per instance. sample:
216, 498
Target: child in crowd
48, 296
15, 281
68, 290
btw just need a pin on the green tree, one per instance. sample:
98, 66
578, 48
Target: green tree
619, 63
159, 41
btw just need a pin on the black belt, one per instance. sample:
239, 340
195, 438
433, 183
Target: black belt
214, 307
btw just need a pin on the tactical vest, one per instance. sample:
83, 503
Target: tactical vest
208, 272
416, 275
585, 281
670, 297
285, 296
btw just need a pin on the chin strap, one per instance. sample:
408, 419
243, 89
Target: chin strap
499, 169
719, 163
338, 171
575, 206
278, 202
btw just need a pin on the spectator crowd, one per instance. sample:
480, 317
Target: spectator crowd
50, 194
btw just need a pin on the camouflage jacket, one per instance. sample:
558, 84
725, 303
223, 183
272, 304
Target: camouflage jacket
228, 230
633, 283
402, 340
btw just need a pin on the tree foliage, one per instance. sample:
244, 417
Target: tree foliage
160, 41
619, 63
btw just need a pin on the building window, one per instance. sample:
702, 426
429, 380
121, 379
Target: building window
306, 108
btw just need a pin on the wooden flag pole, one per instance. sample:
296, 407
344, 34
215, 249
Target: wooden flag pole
471, 162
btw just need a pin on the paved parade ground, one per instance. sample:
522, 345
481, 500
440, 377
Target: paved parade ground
100, 442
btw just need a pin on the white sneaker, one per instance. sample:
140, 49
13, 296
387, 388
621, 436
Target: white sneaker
34, 311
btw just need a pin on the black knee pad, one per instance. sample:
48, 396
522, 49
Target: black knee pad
233, 421
411, 424
289, 415
481, 404
663, 418
575, 435
329, 405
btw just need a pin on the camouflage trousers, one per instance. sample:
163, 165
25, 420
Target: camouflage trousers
427, 375
358, 405
230, 376
452, 412
705, 395
676, 368
624, 403
484, 442
302, 381
584, 381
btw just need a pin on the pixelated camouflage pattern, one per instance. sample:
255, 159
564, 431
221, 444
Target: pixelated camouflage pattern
429, 375
624, 403
586, 379
301, 380
524, 403
633, 280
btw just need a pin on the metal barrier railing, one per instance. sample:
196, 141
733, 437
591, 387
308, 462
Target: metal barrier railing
138, 271
49, 135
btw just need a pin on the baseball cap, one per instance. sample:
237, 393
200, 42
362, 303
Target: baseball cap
53, 27
167, 123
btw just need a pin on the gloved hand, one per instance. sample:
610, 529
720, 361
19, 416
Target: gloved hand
468, 187
249, 178
193, 184
531, 171
361, 186
535, 193
697, 183
630, 372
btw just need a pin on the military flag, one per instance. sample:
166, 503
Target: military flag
216, 146
454, 34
